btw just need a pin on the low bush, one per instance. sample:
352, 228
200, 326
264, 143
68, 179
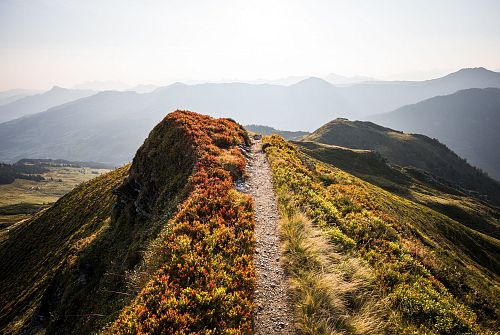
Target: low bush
206, 276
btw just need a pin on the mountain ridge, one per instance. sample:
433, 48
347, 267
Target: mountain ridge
467, 121
166, 244
94, 128
120, 242
406, 149
37, 103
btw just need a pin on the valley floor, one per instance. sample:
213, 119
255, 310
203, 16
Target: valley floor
20, 200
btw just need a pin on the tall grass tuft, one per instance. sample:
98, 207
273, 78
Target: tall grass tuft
333, 294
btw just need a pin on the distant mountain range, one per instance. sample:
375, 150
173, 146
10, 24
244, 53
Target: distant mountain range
468, 121
100, 85
9, 96
32, 104
265, 130
384, 96
332, 78
414, 150
114, 86
340, 80
107, 127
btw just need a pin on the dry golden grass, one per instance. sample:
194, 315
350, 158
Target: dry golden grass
445, 284
333, 294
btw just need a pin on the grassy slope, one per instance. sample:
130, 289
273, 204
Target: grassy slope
37, 250
334, 293
404, 150
437, 276
19, 199
77, 266
411, 184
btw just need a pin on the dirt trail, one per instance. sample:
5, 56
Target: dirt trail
274, 311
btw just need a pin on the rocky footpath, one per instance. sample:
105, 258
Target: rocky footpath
274, 310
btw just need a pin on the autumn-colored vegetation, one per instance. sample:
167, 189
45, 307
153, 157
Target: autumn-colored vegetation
161, 246
428, 269
205, 279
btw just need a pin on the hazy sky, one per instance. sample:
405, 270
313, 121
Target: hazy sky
64, 42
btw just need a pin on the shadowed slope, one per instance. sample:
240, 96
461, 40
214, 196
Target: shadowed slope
176, 211
467, 121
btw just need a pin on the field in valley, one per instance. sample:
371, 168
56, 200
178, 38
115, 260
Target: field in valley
23, 198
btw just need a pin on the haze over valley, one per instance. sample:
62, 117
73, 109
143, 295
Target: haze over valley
108, 126
249, 167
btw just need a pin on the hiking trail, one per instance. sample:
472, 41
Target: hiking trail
274, 309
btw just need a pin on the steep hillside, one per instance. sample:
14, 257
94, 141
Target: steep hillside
40, 102
466, 121
410, 269
109, 126
413, 150
124, 246
408, 182
37, 251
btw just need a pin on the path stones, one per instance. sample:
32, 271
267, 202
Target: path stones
274, 310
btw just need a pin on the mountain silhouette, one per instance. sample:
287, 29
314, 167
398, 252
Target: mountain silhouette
40, 102
467, 121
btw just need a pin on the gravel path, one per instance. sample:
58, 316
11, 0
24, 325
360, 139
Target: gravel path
274, 311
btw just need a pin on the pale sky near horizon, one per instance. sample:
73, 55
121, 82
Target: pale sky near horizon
65, 42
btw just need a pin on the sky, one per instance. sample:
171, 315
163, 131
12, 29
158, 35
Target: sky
67, 42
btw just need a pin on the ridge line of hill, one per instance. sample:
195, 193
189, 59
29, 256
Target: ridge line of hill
164, 245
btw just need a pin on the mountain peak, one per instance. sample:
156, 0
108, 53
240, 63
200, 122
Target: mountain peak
56, 88
313, 81
406, 149
472, 71
340, 120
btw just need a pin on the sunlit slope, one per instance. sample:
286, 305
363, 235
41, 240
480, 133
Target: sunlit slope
413, 150
435, 275
414, 184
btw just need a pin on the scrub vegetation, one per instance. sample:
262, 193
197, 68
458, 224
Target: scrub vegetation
163, 245
434, 275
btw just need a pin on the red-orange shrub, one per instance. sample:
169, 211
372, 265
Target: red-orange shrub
207, 276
